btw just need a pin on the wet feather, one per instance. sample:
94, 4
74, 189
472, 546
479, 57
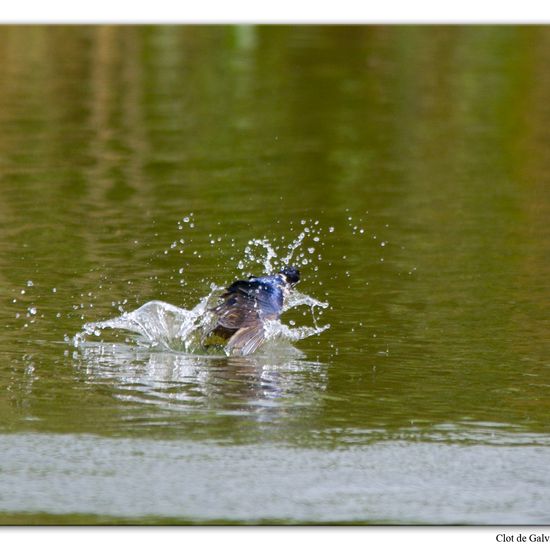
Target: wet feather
246, 305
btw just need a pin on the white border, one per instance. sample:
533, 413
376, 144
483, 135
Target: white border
276, 11
252, 538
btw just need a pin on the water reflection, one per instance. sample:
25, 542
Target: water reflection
276, 386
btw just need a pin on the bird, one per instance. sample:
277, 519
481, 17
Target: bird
246, 306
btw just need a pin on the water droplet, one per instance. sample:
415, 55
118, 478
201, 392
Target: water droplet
331, 229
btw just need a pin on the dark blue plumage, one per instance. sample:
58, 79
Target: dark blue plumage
247, 305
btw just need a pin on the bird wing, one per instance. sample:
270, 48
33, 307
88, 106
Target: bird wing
246, 340
244, 304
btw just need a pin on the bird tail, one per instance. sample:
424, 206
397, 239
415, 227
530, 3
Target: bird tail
246, 340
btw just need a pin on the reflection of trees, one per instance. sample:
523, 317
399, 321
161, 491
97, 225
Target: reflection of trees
110, 134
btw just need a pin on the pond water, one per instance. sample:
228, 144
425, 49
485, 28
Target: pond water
408, 166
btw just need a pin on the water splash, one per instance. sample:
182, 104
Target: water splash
158, 325
271, 257
292, 248
251, 256
163, 326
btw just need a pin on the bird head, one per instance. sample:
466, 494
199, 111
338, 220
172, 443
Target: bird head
290, 274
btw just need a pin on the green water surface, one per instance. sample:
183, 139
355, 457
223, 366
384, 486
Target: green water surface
418, 155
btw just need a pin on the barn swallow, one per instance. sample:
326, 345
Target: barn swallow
246, 305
